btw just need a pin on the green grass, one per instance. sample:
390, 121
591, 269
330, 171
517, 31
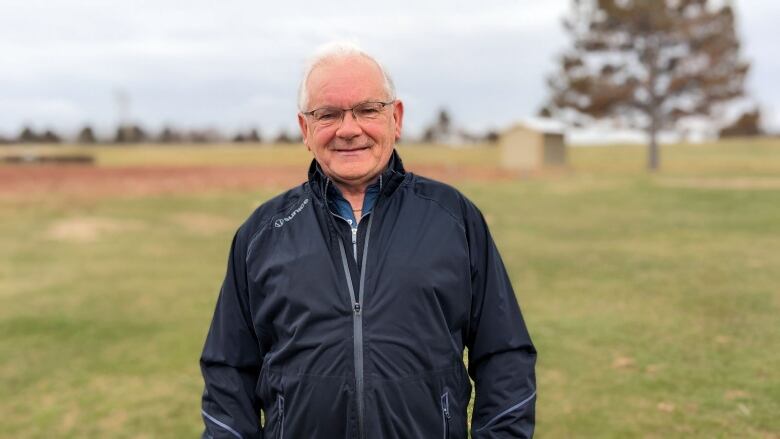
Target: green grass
653, 299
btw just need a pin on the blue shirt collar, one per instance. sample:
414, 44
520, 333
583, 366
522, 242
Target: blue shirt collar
341, 207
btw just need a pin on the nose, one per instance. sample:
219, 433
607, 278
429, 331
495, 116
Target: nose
349, 127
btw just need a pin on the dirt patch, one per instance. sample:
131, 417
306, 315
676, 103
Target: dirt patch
35, 181
87, 229
735, 183
622, 362
733, 394
88, 181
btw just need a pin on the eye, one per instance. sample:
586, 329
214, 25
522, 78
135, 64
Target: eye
369, 110
327, 114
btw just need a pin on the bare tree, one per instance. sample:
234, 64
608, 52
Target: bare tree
647, 64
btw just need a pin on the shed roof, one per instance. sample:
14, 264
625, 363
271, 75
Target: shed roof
540, 124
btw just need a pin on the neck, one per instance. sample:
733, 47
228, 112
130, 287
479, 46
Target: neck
354, 194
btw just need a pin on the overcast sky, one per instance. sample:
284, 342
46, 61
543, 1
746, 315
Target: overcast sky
236, 64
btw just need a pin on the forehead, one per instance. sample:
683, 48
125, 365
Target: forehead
344, 82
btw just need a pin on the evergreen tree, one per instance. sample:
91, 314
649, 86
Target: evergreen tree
647, 64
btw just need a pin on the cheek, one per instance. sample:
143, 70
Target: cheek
381, 134
320, 139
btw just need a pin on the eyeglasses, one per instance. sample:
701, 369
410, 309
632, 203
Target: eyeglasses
362, 112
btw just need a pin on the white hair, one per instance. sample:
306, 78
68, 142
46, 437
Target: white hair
338, 50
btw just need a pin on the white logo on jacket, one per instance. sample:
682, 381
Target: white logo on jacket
281, 221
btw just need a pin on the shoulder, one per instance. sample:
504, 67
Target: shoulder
449, 199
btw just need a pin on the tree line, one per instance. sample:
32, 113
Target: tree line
441, 130
134, 133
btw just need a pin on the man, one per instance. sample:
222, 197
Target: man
348, 300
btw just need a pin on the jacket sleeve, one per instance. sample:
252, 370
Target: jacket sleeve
501, 355
231, 358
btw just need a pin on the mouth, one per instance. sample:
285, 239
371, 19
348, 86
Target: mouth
352, 150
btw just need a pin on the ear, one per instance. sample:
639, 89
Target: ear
304, 130
398, 116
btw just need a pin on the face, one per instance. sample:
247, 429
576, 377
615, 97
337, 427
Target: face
351, 153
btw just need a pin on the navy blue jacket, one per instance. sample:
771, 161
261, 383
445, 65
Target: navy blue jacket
332, 335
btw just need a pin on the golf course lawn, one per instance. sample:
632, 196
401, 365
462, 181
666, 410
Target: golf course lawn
653, 299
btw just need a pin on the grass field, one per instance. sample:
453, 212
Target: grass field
654, 300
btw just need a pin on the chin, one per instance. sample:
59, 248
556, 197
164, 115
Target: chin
350, 176
352, 172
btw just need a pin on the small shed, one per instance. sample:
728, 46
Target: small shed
533, 144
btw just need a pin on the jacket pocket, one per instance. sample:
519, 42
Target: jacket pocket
445, 414
280, 416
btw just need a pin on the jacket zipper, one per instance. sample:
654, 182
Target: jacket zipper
357, 311
357, 321
445, 414
280, 406
354, 240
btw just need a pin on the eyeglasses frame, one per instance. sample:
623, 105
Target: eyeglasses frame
351, 110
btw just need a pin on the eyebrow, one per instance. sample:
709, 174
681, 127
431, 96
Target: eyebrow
365, 101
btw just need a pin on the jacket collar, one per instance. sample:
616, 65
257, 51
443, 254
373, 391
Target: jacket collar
389, 179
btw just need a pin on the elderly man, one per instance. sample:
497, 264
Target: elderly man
348, 300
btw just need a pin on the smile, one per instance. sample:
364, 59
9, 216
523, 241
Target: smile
351, 150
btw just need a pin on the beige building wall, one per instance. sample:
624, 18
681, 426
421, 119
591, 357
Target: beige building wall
521, 149
554, 150
525, 149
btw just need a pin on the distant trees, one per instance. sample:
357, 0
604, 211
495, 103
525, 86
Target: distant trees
647, 64
50, 136
86, 136
444, 130
440, 130
135, 133
29, 135
169, 135
208, 135
252, 136
172, 135
285, 138
130, 133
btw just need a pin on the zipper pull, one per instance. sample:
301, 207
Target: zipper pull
445, 405
356, 308
354, 242
281, 405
